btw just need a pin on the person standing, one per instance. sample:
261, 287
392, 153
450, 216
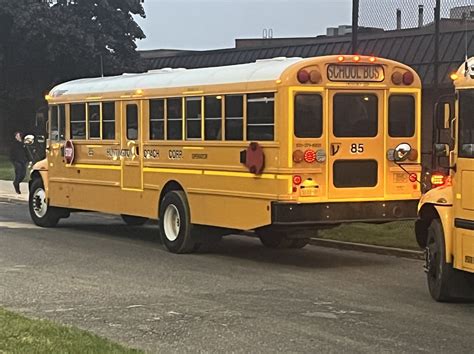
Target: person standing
19, 160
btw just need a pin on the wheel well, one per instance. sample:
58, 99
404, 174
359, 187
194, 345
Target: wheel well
426, 215
169, 186
34, 175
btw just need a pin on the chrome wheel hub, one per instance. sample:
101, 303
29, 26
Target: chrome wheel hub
171, 222
40, 205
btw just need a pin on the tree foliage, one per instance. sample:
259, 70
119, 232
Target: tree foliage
44, 43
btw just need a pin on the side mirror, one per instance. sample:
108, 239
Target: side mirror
29, 139
441, 150
401, 152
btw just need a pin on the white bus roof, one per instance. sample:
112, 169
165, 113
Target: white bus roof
261, 70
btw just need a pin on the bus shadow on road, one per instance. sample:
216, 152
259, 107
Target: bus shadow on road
242, 247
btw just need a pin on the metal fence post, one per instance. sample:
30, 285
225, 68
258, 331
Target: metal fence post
355, 25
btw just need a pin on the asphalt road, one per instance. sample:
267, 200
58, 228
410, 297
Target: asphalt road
94, 272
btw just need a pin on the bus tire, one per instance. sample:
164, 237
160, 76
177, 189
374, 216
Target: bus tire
439, 273
41, 213
175, 223
274, 239
299, 243
445, 283
133, 220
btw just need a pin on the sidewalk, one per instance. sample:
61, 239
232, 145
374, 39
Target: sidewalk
7, 192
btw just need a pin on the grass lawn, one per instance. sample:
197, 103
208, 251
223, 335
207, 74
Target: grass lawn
6, 169
399, 234
22, 335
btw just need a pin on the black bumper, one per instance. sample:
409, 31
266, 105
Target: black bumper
295, 214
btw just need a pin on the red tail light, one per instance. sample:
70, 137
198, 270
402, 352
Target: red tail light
297, 180
310, 156
413, 177
408, 78
303, 76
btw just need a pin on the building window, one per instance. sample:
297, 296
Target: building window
132, 121
174, 119
308, 116
108, 120
94, 120
234, 117
157, 119
193, 118
260, 116
78, 121
213, 117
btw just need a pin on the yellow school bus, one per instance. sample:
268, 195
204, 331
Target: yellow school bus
276, 146
445, 228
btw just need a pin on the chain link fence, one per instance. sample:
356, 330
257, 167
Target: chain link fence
405, 14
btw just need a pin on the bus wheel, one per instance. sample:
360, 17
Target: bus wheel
299, 242
133, 220
439, 273
175, 223
274, 239
42, 214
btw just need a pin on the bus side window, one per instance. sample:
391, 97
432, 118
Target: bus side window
157, 119
193, 118
174, 119
260, 116
54, 123
78, 121
108, 120
234, 117
62, 122
94, 120
213, 117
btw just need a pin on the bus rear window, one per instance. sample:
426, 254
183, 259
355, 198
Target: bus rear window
355, 115
401, 116
308, 116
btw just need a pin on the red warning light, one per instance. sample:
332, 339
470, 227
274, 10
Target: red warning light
310, 156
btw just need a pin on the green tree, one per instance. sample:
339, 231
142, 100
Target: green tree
43, 44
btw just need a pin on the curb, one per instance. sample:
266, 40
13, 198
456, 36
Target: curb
12, 200
390, 251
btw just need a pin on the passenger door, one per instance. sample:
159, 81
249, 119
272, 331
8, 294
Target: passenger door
356, 153
131, 146
464, 182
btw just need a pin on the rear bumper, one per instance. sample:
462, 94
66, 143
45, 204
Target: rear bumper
296, 214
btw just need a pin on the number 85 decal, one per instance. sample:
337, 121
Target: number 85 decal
357, 148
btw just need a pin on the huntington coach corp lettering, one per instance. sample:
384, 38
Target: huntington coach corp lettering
370, 73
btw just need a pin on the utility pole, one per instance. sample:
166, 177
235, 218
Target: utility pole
355, 25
